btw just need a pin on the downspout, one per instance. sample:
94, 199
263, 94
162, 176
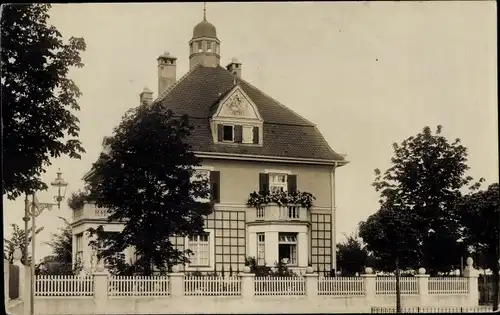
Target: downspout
333, 220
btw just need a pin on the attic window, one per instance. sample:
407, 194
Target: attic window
228, 133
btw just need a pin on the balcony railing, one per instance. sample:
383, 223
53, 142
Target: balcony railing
90, 211
275, 212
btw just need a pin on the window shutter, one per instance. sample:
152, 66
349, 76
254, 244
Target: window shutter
255, 135
264, 182
292, 183
238, 133
215, 186
220, 132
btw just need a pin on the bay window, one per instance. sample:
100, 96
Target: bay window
79, 247
287, 248
261, 249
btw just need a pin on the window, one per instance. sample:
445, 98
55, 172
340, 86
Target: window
247, 134
278, 182
228, 133
217, 48
200, 46
287, 248
200, 246
209, 46
201, 175
79, 247
261, 252
191, 48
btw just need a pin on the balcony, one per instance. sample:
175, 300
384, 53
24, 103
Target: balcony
280, 206
275, 212
90, 211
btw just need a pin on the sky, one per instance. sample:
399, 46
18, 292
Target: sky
366, 73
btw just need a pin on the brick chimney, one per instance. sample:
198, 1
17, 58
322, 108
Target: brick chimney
166, 72
146, 96
234, 67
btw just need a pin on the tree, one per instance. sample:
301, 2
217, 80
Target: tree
352, 256
146, 179
17, 241
390, 234
38, 98
479, 214
60, 261
426, 179
416, 225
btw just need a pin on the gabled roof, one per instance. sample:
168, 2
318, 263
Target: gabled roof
286, 134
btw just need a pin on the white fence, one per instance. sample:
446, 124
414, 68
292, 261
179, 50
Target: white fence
67, 285
387, 285
210, 285
56, 285
138, 286
279, 286
448, 285
341, 286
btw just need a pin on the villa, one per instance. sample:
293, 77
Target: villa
248, 142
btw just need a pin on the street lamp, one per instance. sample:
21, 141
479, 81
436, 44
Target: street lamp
33, 210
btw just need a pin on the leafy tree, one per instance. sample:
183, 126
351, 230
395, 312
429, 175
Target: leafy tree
38, 97
17, 241
479, 214
146, 179
352, 256
425, 180
60, 261
389, 233
418, 194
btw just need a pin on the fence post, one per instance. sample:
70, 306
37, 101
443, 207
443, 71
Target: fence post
22, 276
423, 286
26, 294
472, 286
176, 282
6, 270
100, 290
311, 282
369, 285
247, 282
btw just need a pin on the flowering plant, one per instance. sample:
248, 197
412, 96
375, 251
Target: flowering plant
258, 199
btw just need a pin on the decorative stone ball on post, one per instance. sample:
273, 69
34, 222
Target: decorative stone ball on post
421, 271
368, 270
469, 261
310, 270
246, 269
100, 265
17, 255
176, 268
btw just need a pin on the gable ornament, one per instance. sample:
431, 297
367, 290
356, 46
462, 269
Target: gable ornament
237, 104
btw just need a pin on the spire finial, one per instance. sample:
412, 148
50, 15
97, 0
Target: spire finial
204, 11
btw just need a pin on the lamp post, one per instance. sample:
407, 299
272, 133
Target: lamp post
34, 210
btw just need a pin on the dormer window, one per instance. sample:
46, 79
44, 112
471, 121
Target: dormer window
228, 133
245, 134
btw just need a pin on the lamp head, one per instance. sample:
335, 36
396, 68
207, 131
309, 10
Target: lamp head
59, 182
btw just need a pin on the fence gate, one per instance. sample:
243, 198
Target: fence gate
13, 282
